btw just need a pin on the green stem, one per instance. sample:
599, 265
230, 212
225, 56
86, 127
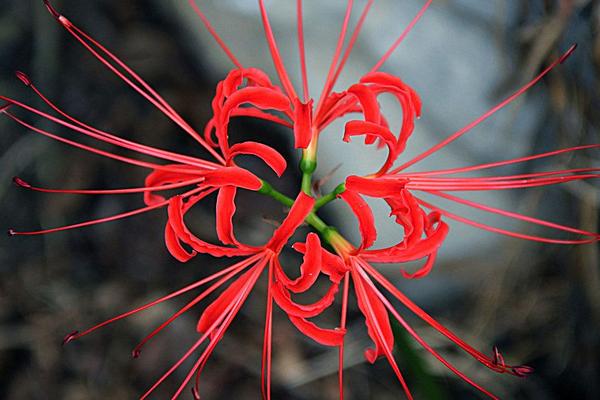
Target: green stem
307, 166
329, 197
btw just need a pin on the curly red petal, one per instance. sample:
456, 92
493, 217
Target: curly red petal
326, 337
303, 205
225, 210
310, 268
376, 187
302, 123
366, 221
269, 155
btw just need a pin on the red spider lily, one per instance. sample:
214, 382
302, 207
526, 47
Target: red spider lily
249, 92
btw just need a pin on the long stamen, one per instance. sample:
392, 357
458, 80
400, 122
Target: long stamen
119, 142
336, 55
419, 339
406, 31
500, 163
141, 210
561, 172
502, 231
230, 269
486, 185
301, 50
275, 55
216, 337
146, 91
90, 149
361, 292
240, 267
20, 182
514, 215
482, 358
170, 371
487, 114
351, 43
267, 340
125, 143
214, 34
344, 314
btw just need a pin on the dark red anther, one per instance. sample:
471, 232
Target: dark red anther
497, 358
51, 9
5, 107
135, 353
522, 370
564, 57
70, 337
23, 77
20, 182
195, 393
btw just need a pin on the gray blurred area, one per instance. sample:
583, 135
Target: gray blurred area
539, 303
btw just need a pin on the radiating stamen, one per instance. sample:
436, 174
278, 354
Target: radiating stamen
116, 141
353, 38
141, 210
214, 34
361, 294
482, 358
501, 163
418, 338
90, 149
144, 149
406, 31
231, 312
20, 182
336, 55
487, 114
239, 268
275, 55
343, 316
301, 50
145, 90
515, 215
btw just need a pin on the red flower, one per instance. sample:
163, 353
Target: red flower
249, 92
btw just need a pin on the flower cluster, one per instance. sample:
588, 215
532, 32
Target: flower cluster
250, 92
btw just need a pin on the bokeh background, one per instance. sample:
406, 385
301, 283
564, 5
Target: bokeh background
539, 303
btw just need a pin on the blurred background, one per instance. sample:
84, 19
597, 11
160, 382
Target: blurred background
539, 303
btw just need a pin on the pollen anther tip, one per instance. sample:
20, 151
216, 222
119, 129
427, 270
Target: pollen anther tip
11, 232
51, 9
195, 394
5, 107
20, 182
568, 53
70, 337
135, 353
23, 77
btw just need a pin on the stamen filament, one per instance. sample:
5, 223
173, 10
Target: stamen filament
503, 231
233, 268
20, 182
500, 163
514, 215
125, 143
275, 55
214, 34
152, 96
419, 339
487, 114
301, 50
105, 219
336, 55
403, 35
